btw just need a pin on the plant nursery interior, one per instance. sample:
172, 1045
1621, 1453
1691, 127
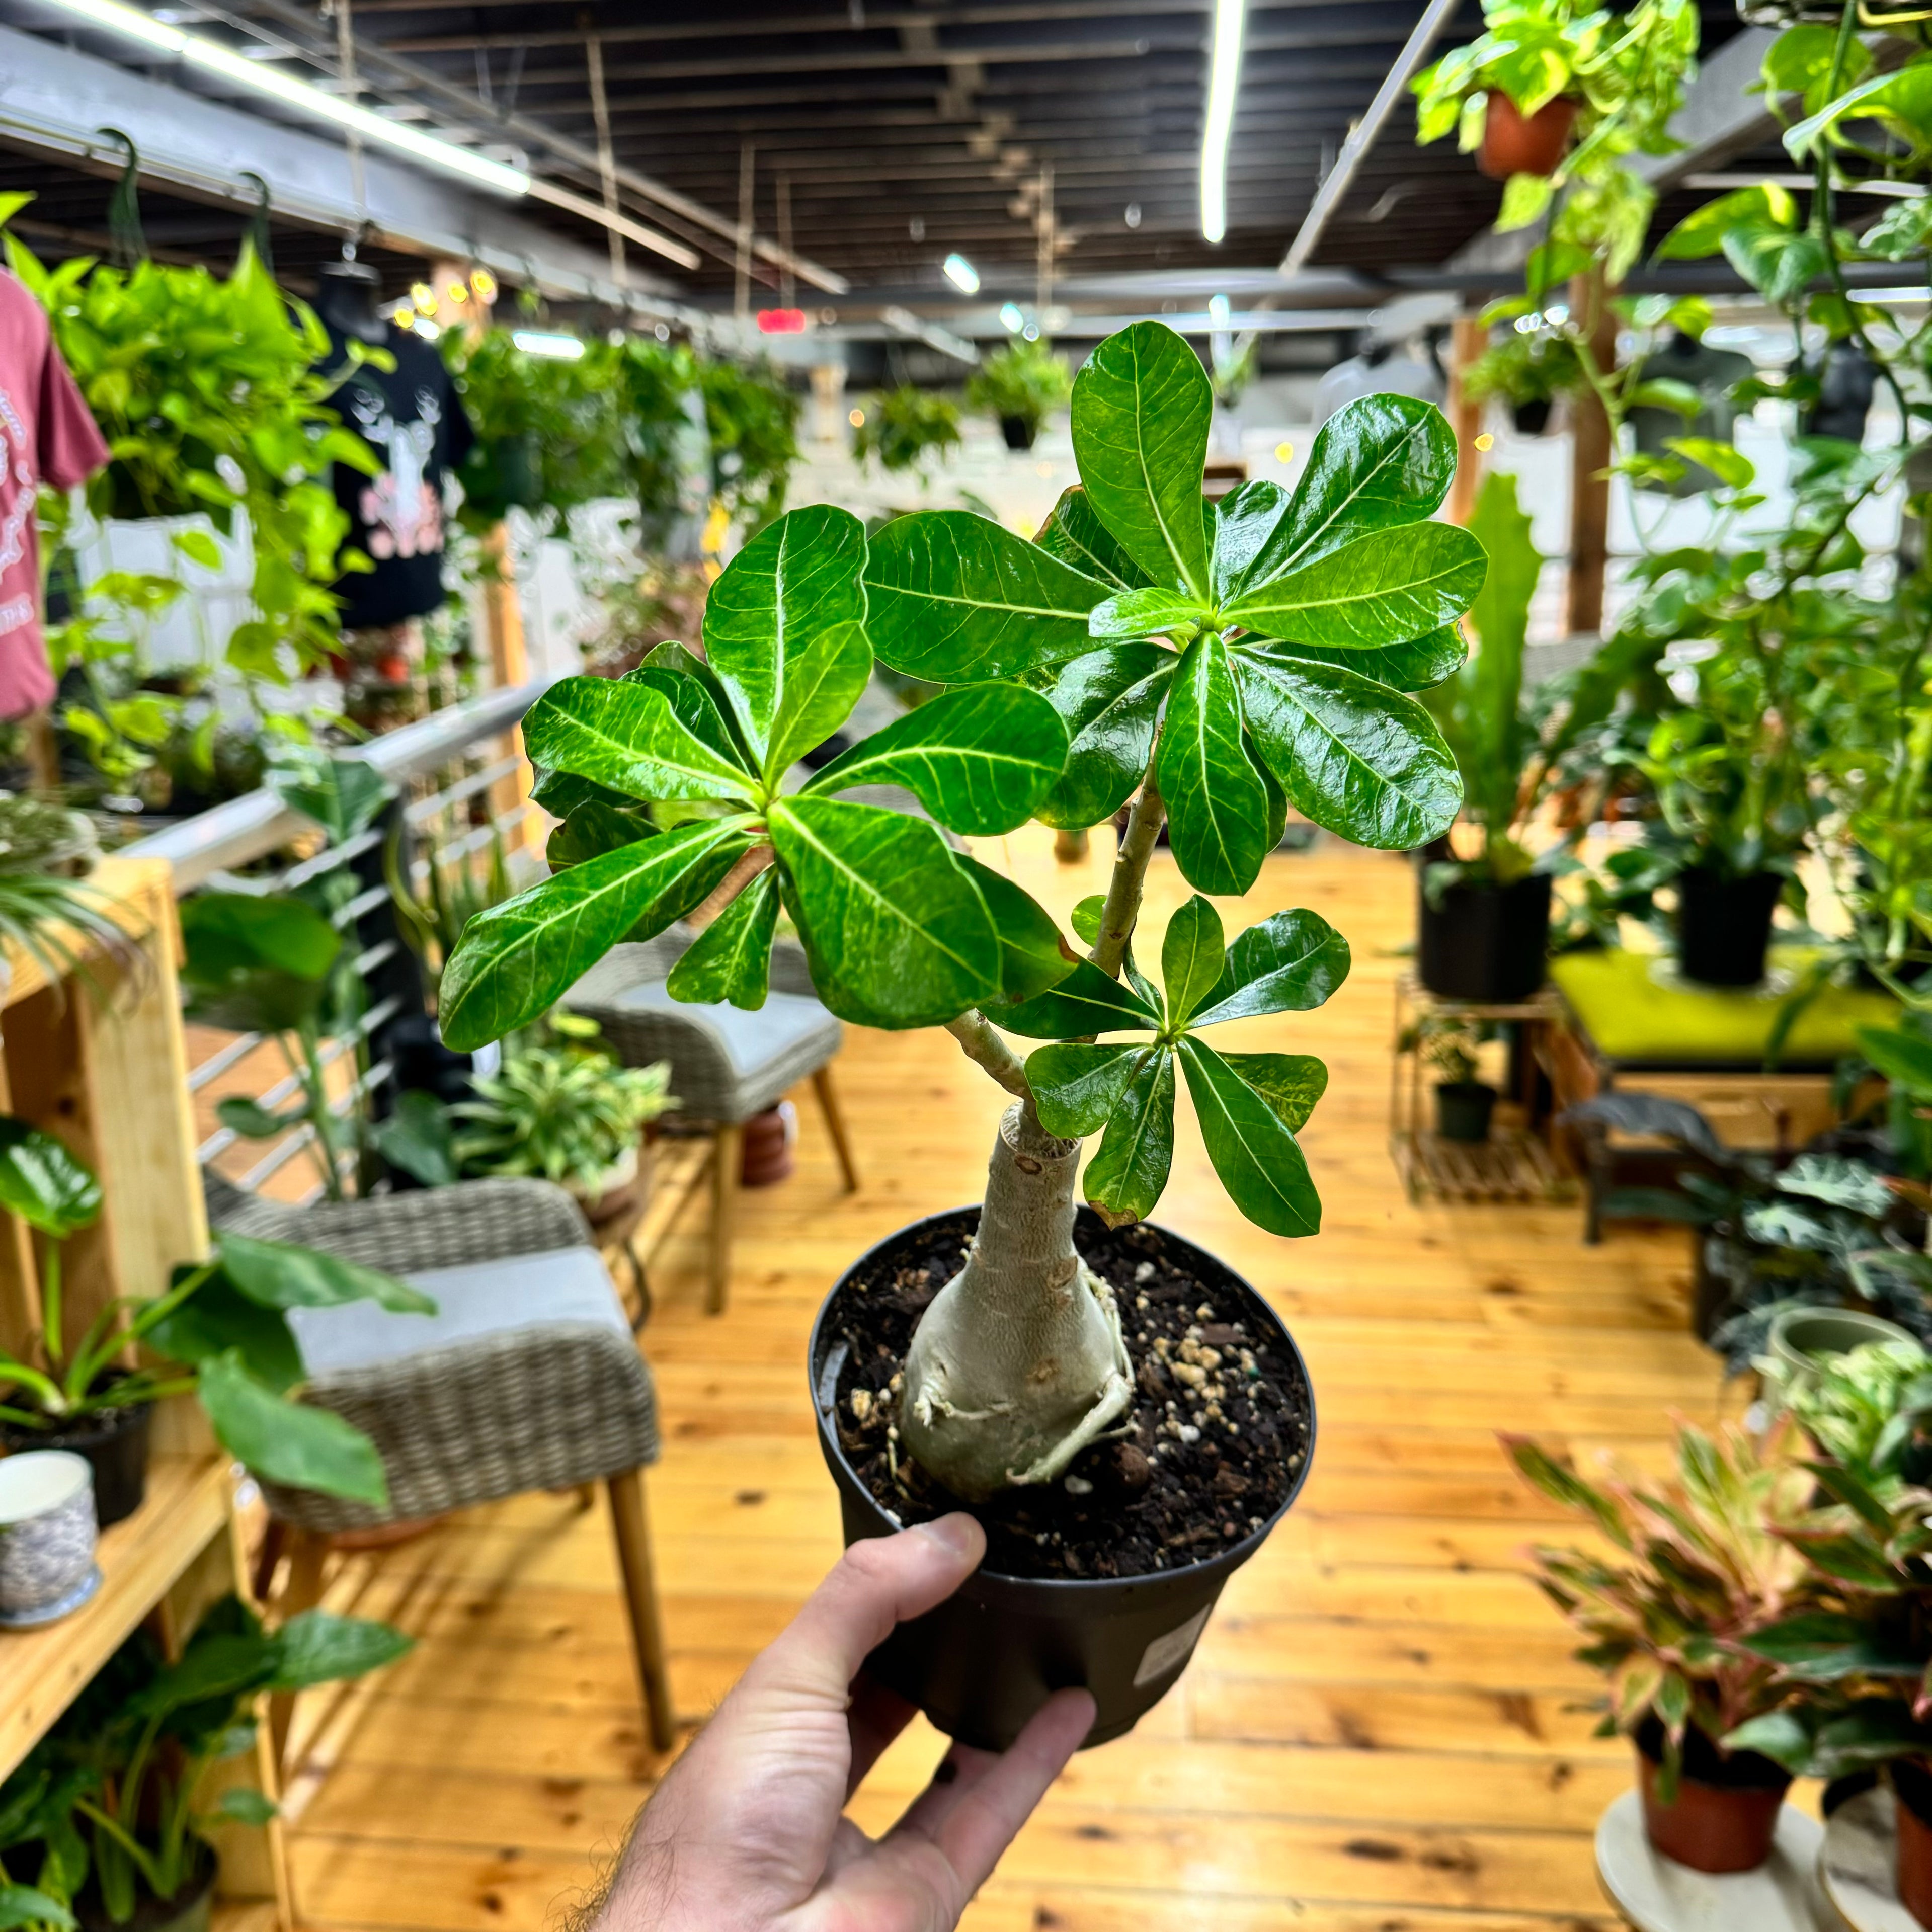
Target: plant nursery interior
965, 962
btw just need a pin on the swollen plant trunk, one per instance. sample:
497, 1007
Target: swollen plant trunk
1019, 1363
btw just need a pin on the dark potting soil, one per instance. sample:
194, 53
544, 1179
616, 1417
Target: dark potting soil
1208, 1461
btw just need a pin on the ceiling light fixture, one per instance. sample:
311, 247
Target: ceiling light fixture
258, 77
1011, 318
1224, 83
1218, 311
962, 273
540, 342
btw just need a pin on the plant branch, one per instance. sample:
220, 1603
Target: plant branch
1123, 908
982, 1044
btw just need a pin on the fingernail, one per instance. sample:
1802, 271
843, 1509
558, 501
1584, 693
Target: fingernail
958, 1535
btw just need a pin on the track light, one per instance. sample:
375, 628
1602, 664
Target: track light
1224, 83
1012, 317
263, 77
962, 273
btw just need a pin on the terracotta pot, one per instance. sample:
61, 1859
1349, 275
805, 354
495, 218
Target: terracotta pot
770, 1138
615, 1192
1912, 1781
1514, 145
1725, 1814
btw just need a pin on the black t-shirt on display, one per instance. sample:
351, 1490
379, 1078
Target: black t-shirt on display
413, 419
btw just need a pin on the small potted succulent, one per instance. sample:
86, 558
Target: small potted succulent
1127, 1416
1020, 386
220, 1332
1463, 1104
1704, 1568
109, 1810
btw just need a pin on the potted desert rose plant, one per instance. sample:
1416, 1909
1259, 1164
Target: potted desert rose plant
1127, 1416
1701, 1567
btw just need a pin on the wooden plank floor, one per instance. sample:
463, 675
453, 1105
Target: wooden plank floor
1377, 1733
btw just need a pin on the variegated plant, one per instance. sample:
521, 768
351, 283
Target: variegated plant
1211, 663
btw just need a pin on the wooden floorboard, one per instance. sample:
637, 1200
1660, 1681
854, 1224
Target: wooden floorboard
1380, 1732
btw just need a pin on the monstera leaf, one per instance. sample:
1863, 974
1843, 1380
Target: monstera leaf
899, 928
1250, 1105
1273, 641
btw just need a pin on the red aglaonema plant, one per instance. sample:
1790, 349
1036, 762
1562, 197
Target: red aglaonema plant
1701, 1565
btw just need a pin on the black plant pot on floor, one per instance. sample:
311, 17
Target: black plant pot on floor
115, 1441
985, 1659
1018, 432
1724, 925
1463, 1109
1484, 942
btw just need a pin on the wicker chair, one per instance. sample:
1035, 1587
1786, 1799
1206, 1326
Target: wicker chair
526, 1378
726, 1065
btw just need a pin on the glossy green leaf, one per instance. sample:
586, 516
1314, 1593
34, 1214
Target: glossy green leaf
1277, 799
1256, 1156
592, 829
415, 1139
1902, 1056
777, 632
1033, 955
1126, 1176
1087, 1001
1191, 960
1154, 613
1702, 233
731, 958
1141, 408
697, 699
1288, 963
1353, 755
1076, 1085
628, 737
289, 1442
898, 934
217, 1319
24, 1906
1417, 665
319, 1647
1075, 534
514, 960
1110, 699
561, 792
43, 1183
254, 1122
279, 1274
1216, 804
1378, 464
1382, 589
959, 598
1291, 1083
980, 759
255, 965
1088, 915
341, 795
244, 1805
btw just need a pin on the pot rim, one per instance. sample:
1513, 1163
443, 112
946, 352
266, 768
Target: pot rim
1228, 1559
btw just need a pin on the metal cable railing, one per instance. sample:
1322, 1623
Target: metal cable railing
452, 803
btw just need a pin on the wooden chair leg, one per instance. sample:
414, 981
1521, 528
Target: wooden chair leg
632, 1526
835, 1121
727, 1158
307, 1551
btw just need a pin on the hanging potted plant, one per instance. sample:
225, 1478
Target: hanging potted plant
903, 424
109, 1813
1704, 1568
1020, 386
1530, 373
1127, 1416
220, 1332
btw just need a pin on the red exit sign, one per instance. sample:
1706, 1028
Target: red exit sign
781, 322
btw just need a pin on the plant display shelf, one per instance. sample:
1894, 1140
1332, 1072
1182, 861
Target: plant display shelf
1655, 1893
1515, 1163
180, 1552
679, 1166
1858, 1867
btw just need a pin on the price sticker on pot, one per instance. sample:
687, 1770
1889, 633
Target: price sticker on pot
1169, 1652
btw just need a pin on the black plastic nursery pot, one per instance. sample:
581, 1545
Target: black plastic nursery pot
1463, 1108
1532, 418
1018, 432
1724, 925
981, 1663
115, 1441
188, 1911
1484, 942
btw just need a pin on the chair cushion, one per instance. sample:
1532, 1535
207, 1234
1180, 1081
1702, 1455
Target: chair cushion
770, 1051
481, 1300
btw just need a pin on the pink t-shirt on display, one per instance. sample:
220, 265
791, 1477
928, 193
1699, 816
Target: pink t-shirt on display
46, 436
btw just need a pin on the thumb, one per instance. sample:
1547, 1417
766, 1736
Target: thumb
880, 1582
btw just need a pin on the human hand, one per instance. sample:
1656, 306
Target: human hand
746, 1834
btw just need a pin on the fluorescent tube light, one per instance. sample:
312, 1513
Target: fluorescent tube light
1224, 83
260, 77
1218, 311
540, 342
1011, 318
962, 273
